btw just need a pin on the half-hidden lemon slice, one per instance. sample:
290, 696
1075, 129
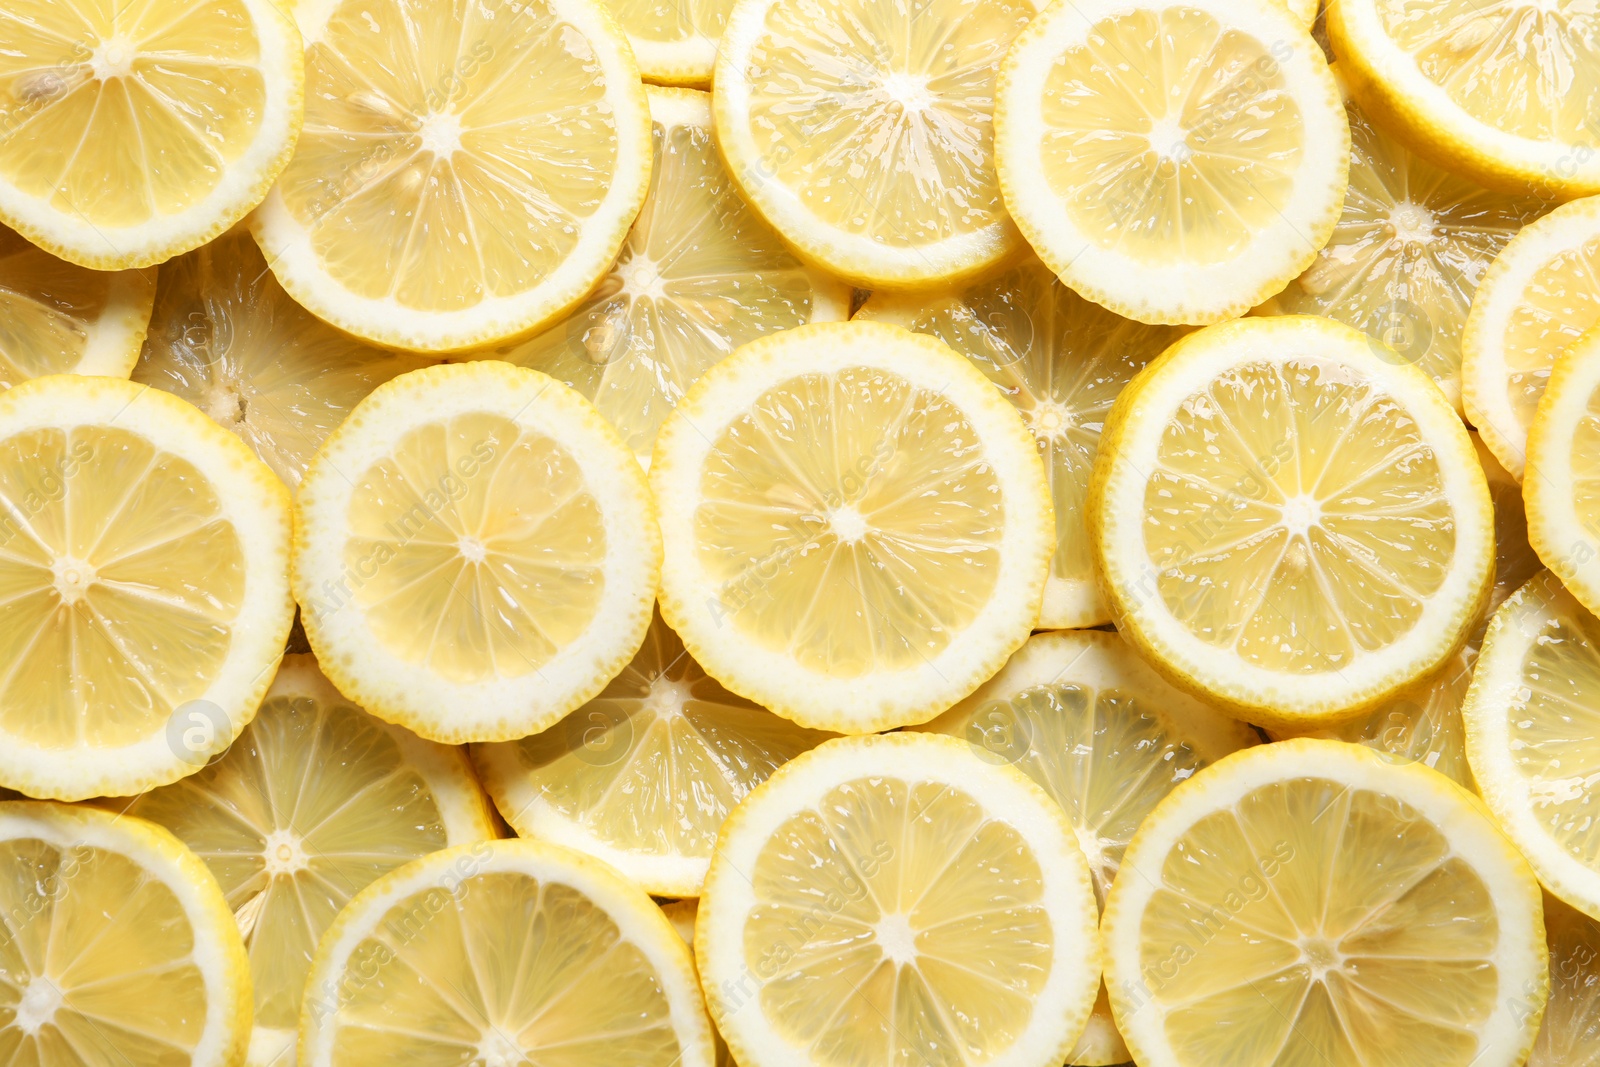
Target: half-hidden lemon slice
1562, 486
675, 42
1570, 1033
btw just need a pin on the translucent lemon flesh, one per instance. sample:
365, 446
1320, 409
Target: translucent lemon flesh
1570, 1034
113, 554
1560, 302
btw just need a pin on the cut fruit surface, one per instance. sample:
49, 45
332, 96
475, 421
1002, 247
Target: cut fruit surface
59, 318
314, 801
466, 191
643, 775
856, 523
1288, 524
681, 914
503, 953
228, 339
476, 554
1538, 296
1514, 559
1062, 360
1315, 902
896, 899
1501, 91
1570, 1034
675, 41
1107, 738
117, 946
143, 569
134, 131
699, 275
1562, 487
1173, 160
862, 131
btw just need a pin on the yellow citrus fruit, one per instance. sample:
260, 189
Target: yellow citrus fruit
675, 41
1570, 1034
1562, 485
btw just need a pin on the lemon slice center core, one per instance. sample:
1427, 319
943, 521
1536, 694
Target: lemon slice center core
1411, 223
908, 90
440, 133
667, 697
896, 939
641, 279
847, 524
39, 1004
498, 1050
1169, 139
72, 578
1049, 419
1321, 956
113, 58
285, 853
472, 550
1301, 513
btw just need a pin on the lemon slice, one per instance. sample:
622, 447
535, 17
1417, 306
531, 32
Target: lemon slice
463, 192
314, 801
1562, 486
1514, 559
134, 131
1062, 360
1570, 1035
681, 914
643, 775
896, 899
1304, 10
1503, 93
59, 318
1174, 160
699, 275
1537, 297
862, 131
227, 338
118, 946
1288, 523
856, 523
675, 41
503, 952
1107, 738
1531, 738
143, 560
476, 554
1407, 254
1314, 902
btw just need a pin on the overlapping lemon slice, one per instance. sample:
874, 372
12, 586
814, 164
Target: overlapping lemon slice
1514, 559
228, 339
1570, 1034
1562, 485
131, 132
468, 170
1288, 523
1502, 91
862, 131
1174, 160
143, 573
1062, 360
1315, 902
699, 275
117, 946
897, 899
503, 953
476, 554
675, 41
314, 801
1538, 296
857, 527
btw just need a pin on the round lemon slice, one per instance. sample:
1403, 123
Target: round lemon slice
1107, 738
682, 914
1062, 360
143, 569
134, 131
856, 523
1531, 738
476, 554
503, 952
862, 131
896, 899
1570, 1034
1174, 160
465, 192
1538, 296
59, 318
643, 775
227, 338
1503, 93
314, 801
1562, 486
675, 43
118, 946
1288, 523
699, 275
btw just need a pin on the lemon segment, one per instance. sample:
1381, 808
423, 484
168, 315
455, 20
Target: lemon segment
1514, 559
314, 801
1562, 487
862, 131
1176, 160
1538, 296
117, 946
228, 339
435, 961
675, 41
856, 522
700, 274
466, 192
1314, 902
1061, 360
136, 131
897, 899
1287, 524
476, 554
1570, 1034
